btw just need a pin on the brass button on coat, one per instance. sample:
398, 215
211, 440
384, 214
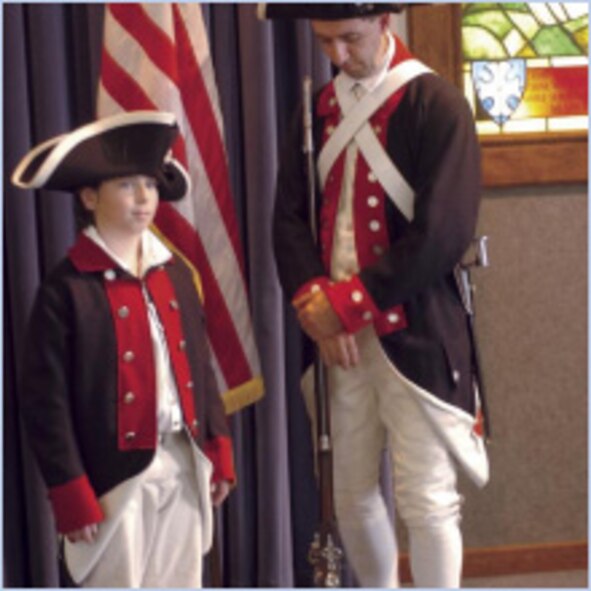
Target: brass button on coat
393, 318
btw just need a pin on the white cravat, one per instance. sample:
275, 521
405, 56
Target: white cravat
358, 90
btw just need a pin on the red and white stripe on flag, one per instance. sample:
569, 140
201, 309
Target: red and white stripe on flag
156, 57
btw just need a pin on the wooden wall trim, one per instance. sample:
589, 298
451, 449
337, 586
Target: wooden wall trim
530, 160
512, 560
434, 35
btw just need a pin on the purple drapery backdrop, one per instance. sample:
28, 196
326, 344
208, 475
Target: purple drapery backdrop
51, 66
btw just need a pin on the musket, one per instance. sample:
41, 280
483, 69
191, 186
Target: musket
325, 555
466, 287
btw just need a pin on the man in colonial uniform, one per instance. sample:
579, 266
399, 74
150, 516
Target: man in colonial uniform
119, 399
398, 171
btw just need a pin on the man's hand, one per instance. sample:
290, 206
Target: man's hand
219, 491
339, 350
317, 317
87, 533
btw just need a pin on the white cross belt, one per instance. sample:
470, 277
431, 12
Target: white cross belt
355, 127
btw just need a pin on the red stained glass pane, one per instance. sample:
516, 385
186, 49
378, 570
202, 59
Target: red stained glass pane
554, 92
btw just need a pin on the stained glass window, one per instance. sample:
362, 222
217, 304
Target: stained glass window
525, 65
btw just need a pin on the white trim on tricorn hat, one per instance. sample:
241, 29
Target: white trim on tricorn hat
176, 174
324, 11
28, 160
133, 142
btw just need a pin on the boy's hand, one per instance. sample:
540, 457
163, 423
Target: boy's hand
219, 491
84, 534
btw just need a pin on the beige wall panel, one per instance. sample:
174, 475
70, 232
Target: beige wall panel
532, 324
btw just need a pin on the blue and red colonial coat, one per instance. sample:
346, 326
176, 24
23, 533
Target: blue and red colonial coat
405, 286
88, 391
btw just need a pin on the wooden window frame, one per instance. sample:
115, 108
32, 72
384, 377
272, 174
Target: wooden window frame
434, 34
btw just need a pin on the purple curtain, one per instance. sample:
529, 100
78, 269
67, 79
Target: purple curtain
51, 67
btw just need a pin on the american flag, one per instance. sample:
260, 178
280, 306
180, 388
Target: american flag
156, 57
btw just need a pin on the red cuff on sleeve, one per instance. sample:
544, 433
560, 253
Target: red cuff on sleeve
75, 505
352, 304
390, 321
219, 451
311, 287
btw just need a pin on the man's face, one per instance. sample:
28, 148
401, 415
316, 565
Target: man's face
356, 45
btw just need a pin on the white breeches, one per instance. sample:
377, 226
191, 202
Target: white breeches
371, 409
155, 534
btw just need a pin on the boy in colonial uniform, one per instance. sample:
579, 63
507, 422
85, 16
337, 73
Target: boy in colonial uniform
119, 399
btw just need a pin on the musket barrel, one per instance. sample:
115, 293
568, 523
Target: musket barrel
324, 554
308, 150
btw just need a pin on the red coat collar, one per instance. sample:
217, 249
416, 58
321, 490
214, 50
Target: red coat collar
88, 257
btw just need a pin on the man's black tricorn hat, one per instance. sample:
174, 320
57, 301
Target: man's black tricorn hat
126, 144
329, 12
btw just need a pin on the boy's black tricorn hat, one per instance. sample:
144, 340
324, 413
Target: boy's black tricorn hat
329, 12
126, 144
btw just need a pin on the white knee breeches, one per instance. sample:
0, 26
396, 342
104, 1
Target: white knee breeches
154, 527
373, 407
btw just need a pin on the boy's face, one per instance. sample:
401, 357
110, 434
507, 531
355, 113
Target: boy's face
355, 45
125, 205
